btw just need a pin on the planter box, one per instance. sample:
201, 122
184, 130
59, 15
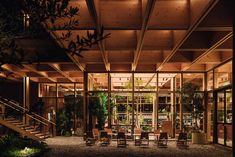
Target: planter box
198, 138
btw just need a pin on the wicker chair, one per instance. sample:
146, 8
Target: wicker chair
163, 138
137, 136
95, 132
104, 138
182, 141
144, 139
90, 140
121, 139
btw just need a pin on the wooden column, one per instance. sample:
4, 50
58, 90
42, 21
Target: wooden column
133, 124
156, 108
26, 98
215, 135
233, 111
205, 103
181, 103
173, 111
85, 85
109, 99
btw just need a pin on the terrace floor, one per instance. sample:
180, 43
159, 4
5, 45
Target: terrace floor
75, 146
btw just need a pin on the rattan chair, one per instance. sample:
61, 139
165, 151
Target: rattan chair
182, 141
121, 139
104, 138
144, 139
162, 140
90, 140
137, 136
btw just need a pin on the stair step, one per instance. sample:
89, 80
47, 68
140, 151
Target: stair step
30, 130
18, 123
21, 126
29, 127
34, 132
43, 136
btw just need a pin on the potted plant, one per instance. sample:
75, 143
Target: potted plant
194, 100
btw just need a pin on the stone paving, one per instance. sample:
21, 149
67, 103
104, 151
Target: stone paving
75, 147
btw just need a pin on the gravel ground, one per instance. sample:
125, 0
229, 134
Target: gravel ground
75, 147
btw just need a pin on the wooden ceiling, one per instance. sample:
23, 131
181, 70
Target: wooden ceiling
146, 36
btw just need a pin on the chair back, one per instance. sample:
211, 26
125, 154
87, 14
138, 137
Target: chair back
108, 130
182, 136
122, 130
121, 135
137, 131
163, 135
103, 134
89, 134
157, 131
95, 132
144, 135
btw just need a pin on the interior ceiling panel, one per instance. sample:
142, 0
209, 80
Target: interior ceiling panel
124, 14
148, 38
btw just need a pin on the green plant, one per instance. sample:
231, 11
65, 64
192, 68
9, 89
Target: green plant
98, 107
12, 145
194, 101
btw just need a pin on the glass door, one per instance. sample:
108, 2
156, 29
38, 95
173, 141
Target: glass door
224, 117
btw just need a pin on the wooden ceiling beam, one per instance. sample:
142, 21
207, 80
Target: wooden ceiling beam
94, 14
212, 48
148, 12
219, 29
57, 68
44, 74
191, 29
13, 69
8, 77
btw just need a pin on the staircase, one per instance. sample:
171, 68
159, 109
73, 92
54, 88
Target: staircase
21, 120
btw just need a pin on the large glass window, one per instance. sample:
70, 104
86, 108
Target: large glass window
121, 111
165, 81
121, 81
195, 79
144, 104
97, 81
145, 82
223, 75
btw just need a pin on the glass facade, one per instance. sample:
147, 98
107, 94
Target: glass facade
149, 100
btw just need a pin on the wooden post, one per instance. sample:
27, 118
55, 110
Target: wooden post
133, 124
26, 98
181, 103
233, 111
173, 112
109, 99
205, 103
157, 106
85, 85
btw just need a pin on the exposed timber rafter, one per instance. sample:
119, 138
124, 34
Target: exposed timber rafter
44, 74
12, 69
8, 77
191, 29
148, 12
212, 48
93, 12
58, 69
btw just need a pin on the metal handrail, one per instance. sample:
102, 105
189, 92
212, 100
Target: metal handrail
24, 109
23, 113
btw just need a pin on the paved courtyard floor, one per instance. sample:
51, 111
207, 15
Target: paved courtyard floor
75, 147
